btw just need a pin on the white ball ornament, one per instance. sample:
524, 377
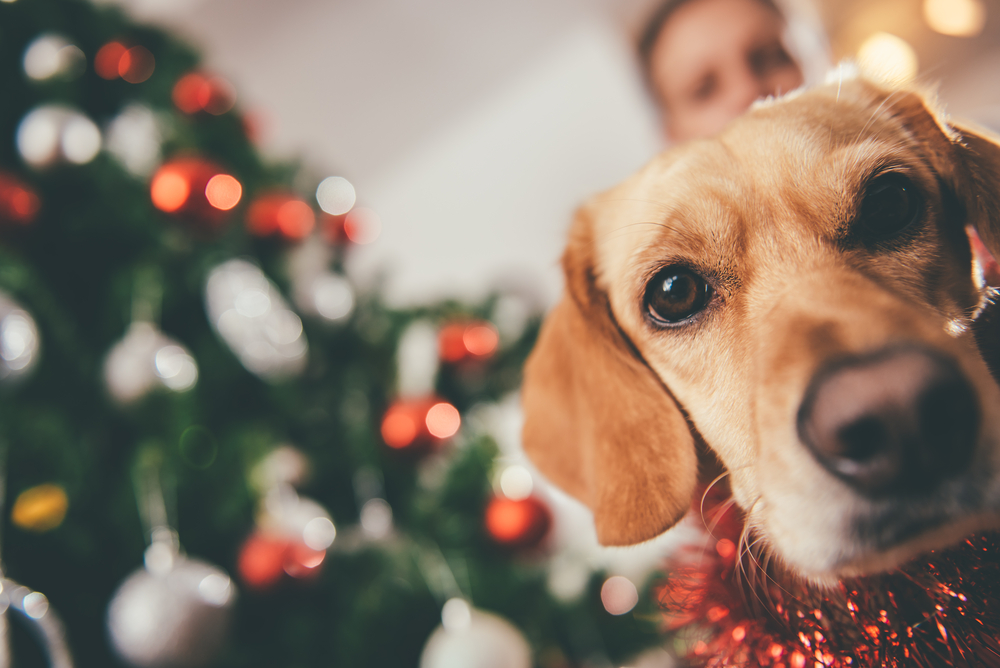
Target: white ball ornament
316, 290
144, 359
135, 138
51, 55
254, 320
470, 638
19, 341
174, 612
53, 133
297, 517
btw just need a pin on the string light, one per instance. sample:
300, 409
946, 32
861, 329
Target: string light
223, 192
959, 18
336, 195
443, 420
889, 58
169, 189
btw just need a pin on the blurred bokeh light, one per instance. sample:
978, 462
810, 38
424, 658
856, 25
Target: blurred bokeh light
223, 191
888, 58
960, 18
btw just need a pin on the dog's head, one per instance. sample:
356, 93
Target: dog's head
797, 293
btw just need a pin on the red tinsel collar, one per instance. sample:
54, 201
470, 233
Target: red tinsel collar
729, 609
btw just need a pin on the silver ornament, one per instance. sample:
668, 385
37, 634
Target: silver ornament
174, 612
54, 133
285, 465
470, 638
134, 137
297, 517
19, 341
144, 359
316, 290
253, 318
51, 55
331, 297
35, 609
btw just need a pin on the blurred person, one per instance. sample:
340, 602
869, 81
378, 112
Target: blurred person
706, 61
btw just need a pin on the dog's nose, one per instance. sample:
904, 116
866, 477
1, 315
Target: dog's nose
896, 422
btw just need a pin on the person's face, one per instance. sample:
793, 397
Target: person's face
712, 59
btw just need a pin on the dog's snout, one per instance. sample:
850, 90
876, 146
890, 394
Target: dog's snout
896, 422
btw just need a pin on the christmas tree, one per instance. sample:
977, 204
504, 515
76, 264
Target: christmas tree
216, 451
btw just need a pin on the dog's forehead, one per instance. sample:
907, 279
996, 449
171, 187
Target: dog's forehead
786, 168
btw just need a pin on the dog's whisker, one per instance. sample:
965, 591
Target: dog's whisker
708, 489
720, 511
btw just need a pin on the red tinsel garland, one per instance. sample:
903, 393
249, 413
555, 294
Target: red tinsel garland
729, 609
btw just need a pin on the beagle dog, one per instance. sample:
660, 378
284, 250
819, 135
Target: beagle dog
794, 300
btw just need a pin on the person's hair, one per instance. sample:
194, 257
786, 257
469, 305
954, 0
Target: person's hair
659, 18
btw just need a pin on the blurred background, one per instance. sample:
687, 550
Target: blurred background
367, 356
475, 129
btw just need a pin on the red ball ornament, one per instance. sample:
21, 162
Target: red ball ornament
107, 59
116, 60
197, 91
517, 523
419, 423
301, 561
195, 190
283, 213
266, 558
261, 561
19, 204
464, 341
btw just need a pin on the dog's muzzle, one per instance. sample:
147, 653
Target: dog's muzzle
895, 423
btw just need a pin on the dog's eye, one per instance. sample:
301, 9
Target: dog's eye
675, 294
892, 203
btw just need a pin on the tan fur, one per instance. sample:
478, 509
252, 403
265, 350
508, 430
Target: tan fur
763, 209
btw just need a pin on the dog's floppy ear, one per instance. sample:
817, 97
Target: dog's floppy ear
598, 421
968, 158
979, 152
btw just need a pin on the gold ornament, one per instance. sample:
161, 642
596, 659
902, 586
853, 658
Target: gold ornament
40, 508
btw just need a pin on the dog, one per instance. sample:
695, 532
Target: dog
793, 302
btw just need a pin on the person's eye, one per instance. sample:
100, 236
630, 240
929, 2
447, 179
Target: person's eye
768, 58
705, 89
